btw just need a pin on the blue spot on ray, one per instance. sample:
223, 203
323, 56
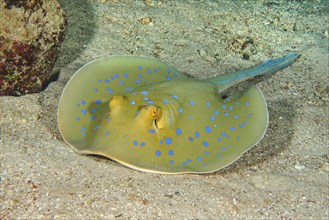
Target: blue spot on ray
168, 140
197, 134
83, 102
125, 75
171, 153
178, 131
208, 129
83, 111
241, 125
158, 153
175, 97
109, 90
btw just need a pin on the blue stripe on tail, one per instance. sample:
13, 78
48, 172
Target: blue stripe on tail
267, 67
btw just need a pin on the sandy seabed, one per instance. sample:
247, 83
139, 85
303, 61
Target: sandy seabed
284, 176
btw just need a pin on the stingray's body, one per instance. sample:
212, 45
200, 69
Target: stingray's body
148, 116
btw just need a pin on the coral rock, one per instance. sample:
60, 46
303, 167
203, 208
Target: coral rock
31, 32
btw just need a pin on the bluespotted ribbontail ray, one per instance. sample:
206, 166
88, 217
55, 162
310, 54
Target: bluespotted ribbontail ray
150, 117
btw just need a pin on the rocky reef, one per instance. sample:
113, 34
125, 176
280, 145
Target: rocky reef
31, 32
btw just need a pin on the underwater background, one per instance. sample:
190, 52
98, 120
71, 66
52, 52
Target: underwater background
284, 176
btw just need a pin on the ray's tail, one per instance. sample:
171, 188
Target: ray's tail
270, 66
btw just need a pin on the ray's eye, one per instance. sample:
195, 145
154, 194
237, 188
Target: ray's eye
148, 112
116, 101
153, 112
